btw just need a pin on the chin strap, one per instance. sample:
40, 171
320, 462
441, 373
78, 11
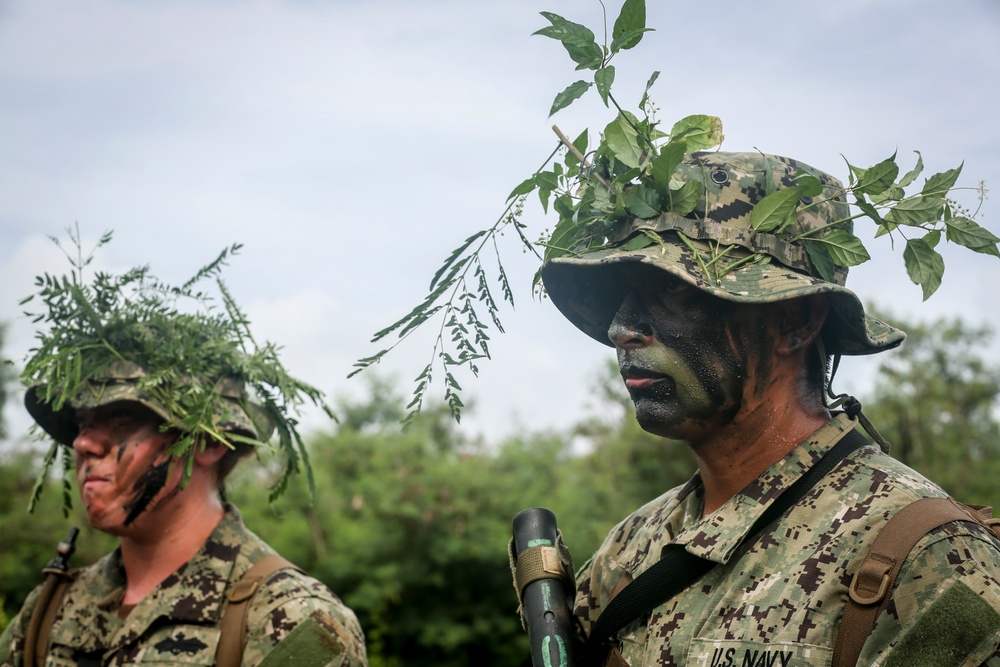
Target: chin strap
848, 403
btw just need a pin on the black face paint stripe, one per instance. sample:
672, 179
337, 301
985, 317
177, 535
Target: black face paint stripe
146, 487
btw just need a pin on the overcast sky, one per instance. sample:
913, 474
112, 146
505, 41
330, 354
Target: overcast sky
351, 145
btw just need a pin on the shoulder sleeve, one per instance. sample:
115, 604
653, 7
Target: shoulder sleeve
296, 619
945, 609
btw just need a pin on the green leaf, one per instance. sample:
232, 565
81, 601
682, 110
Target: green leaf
684, 199
547, 180
629, 25
971, 235
845, 248
916, 210
638, 242
649, 84
813, 186
884, 226
628, 39
623, 141
526, 186
577, 39
876, 179
563, 205
776, 209
699, 131
913, 173
580, 143
665, 164
543, 197
561, 241
924, 265
819, 255
604, 77
453, 257
891, 193
643, 201
572, 93
939, 184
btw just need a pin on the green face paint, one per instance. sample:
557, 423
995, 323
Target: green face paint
678, 353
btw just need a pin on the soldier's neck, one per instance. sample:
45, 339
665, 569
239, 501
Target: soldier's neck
167, 538
766, 429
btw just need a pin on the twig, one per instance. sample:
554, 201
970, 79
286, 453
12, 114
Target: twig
579, 156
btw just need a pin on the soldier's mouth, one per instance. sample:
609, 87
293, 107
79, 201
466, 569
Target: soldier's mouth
641, 379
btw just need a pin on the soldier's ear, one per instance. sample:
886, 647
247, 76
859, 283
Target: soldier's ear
208, 452
799, 322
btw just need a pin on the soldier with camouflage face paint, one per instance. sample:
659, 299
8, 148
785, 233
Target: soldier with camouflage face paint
183, 550
733, 358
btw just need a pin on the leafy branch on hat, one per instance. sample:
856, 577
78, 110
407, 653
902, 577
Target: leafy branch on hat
185, 344
880, 194
632, 174
589, 196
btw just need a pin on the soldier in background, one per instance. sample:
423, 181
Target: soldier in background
183, 551
739, 368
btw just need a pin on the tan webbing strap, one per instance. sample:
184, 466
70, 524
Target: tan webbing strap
872, 583
541, 562
233, 625
39, 635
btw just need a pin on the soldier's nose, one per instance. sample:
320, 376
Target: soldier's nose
627, 330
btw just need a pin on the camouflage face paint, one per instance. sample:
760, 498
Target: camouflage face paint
146, 488
682, 353
122, 467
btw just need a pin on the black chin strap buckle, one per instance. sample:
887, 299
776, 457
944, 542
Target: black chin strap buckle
852, 407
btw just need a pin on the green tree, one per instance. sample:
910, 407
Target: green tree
936, 399
410, 528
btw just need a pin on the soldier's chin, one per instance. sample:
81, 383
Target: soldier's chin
658, 418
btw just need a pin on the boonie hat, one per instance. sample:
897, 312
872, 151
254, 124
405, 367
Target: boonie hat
121, 381
716, 250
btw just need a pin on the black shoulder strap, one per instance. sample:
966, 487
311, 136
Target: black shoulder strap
677, 569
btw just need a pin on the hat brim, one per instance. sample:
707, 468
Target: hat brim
61, 423
588, 289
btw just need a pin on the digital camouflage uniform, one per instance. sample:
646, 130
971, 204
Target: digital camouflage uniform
294, 619
777, 601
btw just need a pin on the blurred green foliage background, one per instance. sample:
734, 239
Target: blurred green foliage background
410, 527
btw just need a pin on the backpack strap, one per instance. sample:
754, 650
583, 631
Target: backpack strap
233, 625
57, 580
869, 592
39, 635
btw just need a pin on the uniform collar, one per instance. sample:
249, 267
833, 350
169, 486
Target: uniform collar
194, 593
718, 536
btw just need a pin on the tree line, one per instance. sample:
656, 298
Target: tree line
410, 527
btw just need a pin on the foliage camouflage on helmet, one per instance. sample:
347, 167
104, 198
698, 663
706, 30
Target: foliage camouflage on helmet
170, 348
716, 249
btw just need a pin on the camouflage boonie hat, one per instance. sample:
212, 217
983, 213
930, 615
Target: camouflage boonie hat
235, 413
588, 288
